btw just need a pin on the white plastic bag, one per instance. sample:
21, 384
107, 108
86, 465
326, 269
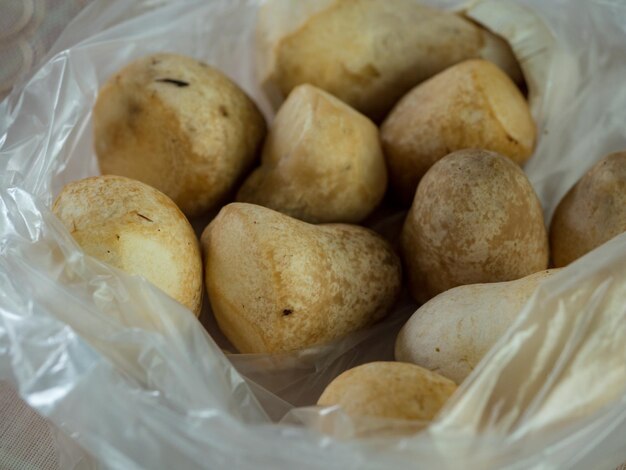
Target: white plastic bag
131, 376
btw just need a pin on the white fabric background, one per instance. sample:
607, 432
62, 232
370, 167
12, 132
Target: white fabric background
27, 30
26, 442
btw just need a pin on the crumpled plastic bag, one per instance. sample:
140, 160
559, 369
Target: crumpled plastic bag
129, 374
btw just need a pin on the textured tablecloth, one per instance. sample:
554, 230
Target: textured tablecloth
26, 442
28, 28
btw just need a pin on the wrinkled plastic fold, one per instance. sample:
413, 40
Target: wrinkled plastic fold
134, 379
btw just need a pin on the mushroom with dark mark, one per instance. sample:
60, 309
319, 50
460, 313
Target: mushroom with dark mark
173, 81
144, 217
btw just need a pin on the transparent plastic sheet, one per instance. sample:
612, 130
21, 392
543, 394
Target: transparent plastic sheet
131, 376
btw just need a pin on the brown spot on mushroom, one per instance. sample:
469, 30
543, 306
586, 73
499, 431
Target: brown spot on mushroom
134, 108
144, 217
173, 81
